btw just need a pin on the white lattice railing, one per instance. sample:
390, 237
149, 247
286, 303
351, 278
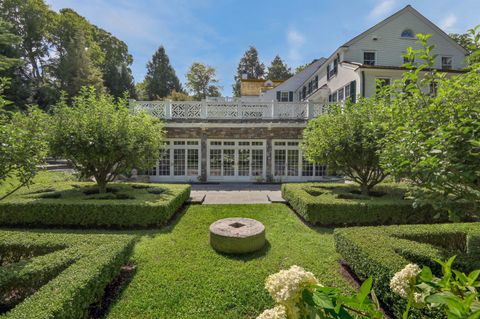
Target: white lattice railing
230, 109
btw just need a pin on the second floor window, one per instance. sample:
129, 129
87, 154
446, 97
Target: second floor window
369, 58
446, 62
284, 96
332, 69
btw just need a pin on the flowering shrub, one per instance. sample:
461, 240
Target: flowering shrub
299, 295
457, 292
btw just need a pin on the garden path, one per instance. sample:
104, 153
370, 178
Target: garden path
236, 193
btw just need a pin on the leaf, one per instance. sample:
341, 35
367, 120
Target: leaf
426, 274
322, 300
365, 289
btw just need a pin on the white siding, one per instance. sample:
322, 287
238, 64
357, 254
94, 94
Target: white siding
390, 45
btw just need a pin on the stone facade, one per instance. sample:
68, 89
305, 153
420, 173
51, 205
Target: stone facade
240, 133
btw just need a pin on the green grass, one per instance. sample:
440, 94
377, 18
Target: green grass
180, 276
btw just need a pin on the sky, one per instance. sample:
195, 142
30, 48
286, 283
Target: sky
217, 33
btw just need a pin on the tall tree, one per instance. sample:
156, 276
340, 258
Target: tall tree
201, 81
79, 56
161, 79
249, 66
31, 20
8, 46
278, 70
117, 75
300, 68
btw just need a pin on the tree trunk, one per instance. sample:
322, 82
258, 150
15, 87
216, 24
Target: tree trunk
102, 186
364, 188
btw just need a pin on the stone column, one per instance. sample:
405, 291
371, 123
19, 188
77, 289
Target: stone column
268, 155
203, 151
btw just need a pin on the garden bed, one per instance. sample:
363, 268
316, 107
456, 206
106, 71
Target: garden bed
74, 204
380, 252
333, 204
57, 275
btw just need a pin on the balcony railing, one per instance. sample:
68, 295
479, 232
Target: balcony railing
232, 110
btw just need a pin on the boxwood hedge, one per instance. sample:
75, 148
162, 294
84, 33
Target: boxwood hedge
380, 252
79, 205
340, 205
57, 275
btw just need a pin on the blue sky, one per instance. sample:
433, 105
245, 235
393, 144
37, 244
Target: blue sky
218, 32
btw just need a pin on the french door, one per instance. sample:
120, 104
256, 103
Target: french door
236, 160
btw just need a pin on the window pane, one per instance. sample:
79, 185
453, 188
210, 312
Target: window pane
178, 162
179, 143
228, 162
244, 162
257, 162
215, 162
192, 162
320, 170
164, 163
292, 169
279, 159
369, 58
307, 168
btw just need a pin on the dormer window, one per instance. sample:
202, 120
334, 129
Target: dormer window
369, 58
407, 33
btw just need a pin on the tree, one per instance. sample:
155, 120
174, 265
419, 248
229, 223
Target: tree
201, 81
102, 138
8, 43
470, 42
347, 140
23, 145
161, 79
278, 70
80, 57
249, 66
433, 139
300, 68
117, 75
179, 96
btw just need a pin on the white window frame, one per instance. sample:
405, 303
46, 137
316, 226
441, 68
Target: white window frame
451, 62
186, 147
374, 57
286, 147
236, 147
282, 97
382, 78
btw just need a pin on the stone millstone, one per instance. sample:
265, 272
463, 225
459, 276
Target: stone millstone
237, 235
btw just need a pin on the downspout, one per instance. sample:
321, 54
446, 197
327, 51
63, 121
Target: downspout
362, 84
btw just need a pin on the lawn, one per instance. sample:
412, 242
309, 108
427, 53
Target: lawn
180, 276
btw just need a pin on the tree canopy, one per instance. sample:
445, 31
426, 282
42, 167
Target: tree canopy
278, 70
201, 81
161, 79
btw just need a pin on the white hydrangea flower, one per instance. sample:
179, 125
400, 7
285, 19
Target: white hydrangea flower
279, 312
285, 286
402, 282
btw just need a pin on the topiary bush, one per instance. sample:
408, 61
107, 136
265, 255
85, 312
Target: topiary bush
404, 244
340, 205
57, 275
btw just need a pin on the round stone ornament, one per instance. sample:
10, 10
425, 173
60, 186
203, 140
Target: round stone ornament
237, 235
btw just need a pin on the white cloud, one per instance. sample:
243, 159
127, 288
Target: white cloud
295, 41
448, 22
381, 9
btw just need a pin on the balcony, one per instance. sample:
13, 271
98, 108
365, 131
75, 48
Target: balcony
229, 110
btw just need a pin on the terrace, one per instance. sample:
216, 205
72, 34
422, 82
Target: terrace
230, 110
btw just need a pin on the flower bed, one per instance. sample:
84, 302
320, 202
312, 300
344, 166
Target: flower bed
57, 275
80, 205
342, 205
401, 245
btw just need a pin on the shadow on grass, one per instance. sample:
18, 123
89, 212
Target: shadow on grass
249, 256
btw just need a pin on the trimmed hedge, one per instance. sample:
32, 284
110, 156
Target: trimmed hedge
58, 275
380, 252
78, 206
338, 205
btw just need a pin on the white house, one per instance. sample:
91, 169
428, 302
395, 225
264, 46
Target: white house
257, 138
376, 54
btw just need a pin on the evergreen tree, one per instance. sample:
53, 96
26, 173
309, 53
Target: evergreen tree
201, 81
161, 79
250, 66
278, 70
300, 68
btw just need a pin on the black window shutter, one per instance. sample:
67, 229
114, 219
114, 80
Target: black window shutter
290, 96
328, 72
279, 96
353, 91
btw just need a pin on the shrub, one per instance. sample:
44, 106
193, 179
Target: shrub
401, 245
64, 275
126, 207
338, 206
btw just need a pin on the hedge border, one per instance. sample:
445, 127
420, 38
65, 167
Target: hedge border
325, 210
91, 214
95, 260
380, 252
